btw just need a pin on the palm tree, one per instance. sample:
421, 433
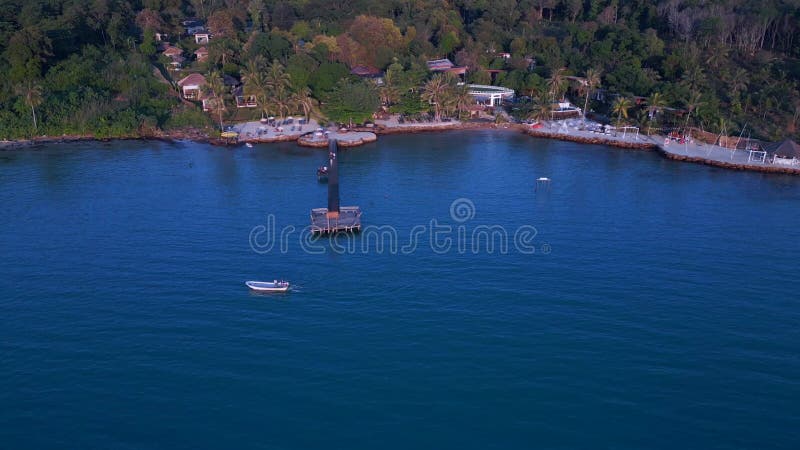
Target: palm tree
620, 107
389, 91
722, 128
434, 92
695, 101
592, 80
389, 94
255, 83
694, 77
282, 100
277, 78
215, 87
655, 102
32, 91
555, 83
302, 99
541, 108
462, 99
738, 81
254, 66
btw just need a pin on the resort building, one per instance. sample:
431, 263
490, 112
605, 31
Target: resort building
202, 38
209, 103
243, 100
194, 26
201, 54
490, 95
192, 86
564, 109
440, 65
369, 73
447, 66
171, 51
176, 62
785, 153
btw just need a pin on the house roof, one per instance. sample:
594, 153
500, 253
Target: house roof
786, 148
456, 70
178, 59
440, 64
366, 71
194, 79
201, 51
173, 51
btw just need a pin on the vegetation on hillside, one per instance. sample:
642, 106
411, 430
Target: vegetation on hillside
92, 67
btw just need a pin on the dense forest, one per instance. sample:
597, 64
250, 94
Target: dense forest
95, 67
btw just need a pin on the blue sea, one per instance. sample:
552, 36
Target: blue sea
632, 302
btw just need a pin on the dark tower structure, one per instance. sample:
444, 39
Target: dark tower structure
335, 218
333, 180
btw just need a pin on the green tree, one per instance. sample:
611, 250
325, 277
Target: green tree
694, 101
258, 14
215, 91
277, 78
301, 99
434, 92
591, 82
541, 108
462, 99
148, 45
325, 78
556, 84
620, 108
255, 83
31, 91
655, 103
351, 102
27, 50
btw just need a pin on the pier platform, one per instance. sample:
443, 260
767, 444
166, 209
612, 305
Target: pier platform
348, 220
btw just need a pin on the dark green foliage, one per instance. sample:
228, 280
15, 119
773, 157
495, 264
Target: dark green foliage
93, 60
409, 103
269, 45
300, 67
324, 79
351, 102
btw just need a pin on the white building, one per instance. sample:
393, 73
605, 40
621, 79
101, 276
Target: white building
490, 95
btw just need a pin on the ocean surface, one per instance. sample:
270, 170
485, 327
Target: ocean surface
632, 302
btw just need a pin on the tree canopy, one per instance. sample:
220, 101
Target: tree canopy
94, 67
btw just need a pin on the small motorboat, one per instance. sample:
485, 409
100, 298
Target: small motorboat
322, 174
248, 145
268, 286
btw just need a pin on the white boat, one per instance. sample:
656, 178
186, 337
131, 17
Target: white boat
248, 145
268, 286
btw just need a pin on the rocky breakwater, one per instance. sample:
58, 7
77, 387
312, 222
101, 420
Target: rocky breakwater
600, 140
345, 138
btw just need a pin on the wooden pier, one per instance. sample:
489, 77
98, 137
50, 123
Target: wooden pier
348, 220
335, 219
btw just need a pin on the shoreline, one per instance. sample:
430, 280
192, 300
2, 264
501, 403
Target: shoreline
188, 134
727, 165
197, 136
593, 140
